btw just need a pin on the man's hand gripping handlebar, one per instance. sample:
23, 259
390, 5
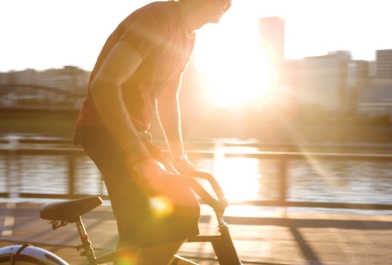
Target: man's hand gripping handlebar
219, 204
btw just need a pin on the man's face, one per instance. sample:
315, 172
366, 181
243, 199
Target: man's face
215, 9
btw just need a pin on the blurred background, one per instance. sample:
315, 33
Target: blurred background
288, 103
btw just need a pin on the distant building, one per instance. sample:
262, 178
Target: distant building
271, 38
323, 81
384, 63
381, 72
330, 83
375, 98
372, 68
375, 101
358, 72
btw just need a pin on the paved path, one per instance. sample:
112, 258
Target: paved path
274, 238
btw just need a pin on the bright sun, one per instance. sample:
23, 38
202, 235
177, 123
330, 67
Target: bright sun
236, 72
241, 81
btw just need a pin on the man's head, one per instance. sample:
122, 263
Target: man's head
205, 11
215, 9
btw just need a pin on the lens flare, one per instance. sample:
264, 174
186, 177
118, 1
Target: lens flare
126, 260
161, 206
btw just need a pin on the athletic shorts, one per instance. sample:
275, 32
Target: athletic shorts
141, 220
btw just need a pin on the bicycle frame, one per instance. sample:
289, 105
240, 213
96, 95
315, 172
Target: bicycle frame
71, 211
222, 244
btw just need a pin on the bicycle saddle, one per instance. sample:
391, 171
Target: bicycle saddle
69, 211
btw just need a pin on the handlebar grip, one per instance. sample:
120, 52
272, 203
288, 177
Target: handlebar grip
217, 205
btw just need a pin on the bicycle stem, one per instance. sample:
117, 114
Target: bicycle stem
228, 253
219, 217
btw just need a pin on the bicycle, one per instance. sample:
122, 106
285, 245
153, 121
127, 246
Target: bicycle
65, 212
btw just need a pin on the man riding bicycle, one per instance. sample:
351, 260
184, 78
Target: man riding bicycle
138, 71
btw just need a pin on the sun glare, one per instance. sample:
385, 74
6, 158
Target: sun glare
242, 80
236, 72
234, 169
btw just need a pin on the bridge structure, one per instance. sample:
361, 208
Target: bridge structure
35, 97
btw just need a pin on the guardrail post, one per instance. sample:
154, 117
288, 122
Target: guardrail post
282, 182
13, 175
102, 181
71, 175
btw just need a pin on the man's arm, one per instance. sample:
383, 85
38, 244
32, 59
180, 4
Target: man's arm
119, 66
169, 116
170, 120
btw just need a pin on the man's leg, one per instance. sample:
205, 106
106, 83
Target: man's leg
138, 226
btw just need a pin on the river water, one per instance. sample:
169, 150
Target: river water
310, 180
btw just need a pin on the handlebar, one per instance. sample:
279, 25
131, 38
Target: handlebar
219, 204
212, 180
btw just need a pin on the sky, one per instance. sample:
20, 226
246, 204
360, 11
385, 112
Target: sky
42, 34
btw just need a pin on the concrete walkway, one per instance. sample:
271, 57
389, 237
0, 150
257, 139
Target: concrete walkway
268, 238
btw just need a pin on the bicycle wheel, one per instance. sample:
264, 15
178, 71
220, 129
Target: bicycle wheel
28, 255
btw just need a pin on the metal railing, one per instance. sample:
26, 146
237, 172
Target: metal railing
284, 158
13, 153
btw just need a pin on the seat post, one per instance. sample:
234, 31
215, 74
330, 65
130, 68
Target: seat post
86, 243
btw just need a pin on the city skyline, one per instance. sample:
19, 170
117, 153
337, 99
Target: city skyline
45, 34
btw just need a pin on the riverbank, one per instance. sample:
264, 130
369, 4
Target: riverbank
62, 124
